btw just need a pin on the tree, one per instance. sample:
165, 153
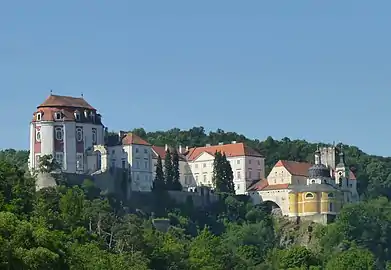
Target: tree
352, 259
159, 183
222, 174
168, 170
176, 185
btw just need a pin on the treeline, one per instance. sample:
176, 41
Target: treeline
373, 172
82, 228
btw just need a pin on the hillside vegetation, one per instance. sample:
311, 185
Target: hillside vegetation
80, 228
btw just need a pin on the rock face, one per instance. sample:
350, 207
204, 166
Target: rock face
45, 180
291, 233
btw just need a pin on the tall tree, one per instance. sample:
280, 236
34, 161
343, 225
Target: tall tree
222, 174
158, 183
176, 185
168, 171
228, 175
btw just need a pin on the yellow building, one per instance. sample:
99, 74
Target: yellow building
307, 191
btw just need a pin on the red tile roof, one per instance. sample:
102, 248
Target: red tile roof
294, 168
161, 151
230, 150
264, 185
301, 168
65, 101
131, 138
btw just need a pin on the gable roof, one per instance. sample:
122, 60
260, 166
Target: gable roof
131, 138
66, 101
263, 184
230, 150
161, 151
301, 168
294, 168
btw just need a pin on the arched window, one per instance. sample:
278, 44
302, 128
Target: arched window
331, 195
312, 181
309, 195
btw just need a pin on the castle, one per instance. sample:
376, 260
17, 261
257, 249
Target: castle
71, 130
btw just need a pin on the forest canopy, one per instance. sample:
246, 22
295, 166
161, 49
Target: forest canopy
72, 227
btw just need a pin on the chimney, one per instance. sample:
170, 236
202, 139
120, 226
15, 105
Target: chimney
221, 143
121, 134
180, 149
233, 142
166, 147
187, 148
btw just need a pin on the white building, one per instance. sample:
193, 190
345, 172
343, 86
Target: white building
64, 127
71, 130
196, 164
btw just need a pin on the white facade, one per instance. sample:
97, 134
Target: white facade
45, 135
199, 172
137, 159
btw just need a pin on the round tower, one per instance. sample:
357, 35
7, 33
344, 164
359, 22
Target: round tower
64, 127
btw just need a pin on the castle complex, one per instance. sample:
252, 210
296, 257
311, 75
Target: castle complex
71, 130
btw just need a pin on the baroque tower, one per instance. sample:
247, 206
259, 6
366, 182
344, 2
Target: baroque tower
64, 127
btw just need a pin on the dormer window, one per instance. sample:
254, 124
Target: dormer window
58, 116
77, 116
92, 115
39, 116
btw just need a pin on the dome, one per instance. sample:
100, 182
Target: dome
318, 170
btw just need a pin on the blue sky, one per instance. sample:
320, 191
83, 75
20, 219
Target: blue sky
317, 70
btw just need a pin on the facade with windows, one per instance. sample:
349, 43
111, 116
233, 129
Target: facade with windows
64, 127
196, 164
315, 192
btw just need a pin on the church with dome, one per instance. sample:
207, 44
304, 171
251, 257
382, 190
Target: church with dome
309, 191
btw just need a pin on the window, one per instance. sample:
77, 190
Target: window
94, 138
309, 196
137, 177
79, 162
58, 116
330, 195
37, 159
77, 116
136, 150
249, 174
259, 162
145, 164
197, 179
238, 175
259, 175
137, 164
238, 161
331, 207
113, 151
86, 114
60, 159
59, 133
79, 134
113, 163
249, 161
145, 151
237, 187
204, 165
312, 181
204, 178
196, 166
39, 116
38, 135
123, 164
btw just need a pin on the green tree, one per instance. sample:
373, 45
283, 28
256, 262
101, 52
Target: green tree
168, 170
159, 182
175, 171
352, 259
222, 174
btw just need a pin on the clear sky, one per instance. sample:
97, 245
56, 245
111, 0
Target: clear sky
317, 70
